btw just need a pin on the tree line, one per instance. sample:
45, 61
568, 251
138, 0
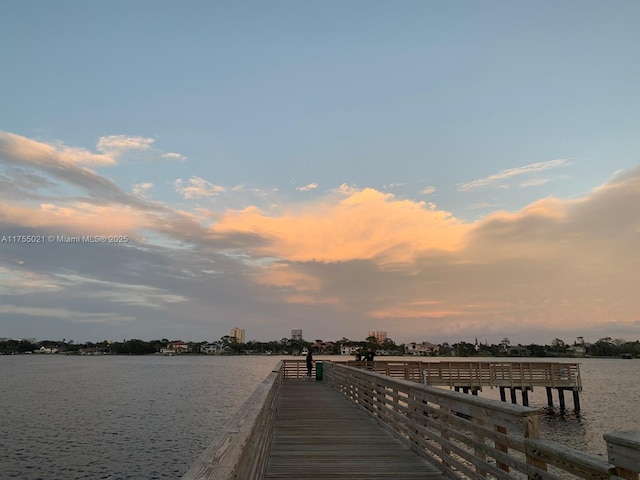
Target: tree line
604, 347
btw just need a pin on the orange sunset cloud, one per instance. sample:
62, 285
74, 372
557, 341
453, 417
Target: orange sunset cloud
364, 224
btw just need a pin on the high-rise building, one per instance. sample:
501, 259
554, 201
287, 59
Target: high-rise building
296, 334
238, 334
380, 336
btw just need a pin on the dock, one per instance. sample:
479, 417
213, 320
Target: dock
348, 422
472, 377
317, 435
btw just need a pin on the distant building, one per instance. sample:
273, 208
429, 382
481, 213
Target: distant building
238, 334
349, 349
175, 348
519, 351
296, 334
44, 349
424, 348
211, 348
578, 350
325, 348
380, 336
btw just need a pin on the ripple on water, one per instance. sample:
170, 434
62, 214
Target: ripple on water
118, 418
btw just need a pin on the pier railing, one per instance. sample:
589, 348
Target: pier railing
468, 436
241, 451
476, 375
471, 437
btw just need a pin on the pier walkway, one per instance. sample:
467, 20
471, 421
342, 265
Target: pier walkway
318, 435
354, 423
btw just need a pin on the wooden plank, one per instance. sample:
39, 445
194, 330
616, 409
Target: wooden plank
568, 459
319, 435
624, 452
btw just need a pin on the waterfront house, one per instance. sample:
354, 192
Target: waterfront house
211, 348
349, 348
44, 349
424, 348
324, 348
518, 351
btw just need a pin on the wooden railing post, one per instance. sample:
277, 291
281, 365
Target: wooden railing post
502, 448
623, 449
532, 430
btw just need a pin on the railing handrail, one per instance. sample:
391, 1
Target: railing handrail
242, 449
471, 437
478, 374
511, 409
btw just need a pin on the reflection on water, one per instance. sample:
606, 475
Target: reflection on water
568, 428
117, 417
150, 417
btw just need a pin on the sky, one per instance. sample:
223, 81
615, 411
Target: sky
441, 171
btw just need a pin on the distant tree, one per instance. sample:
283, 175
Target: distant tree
444, 349
372, 340
389, 345
603, 348
558, 346
465, 349
537, 350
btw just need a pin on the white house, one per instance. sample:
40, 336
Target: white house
424, 348
211, 348
348, 349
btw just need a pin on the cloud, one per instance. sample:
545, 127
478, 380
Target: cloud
197, 187
306, 188
428, 191
65, 164
499, 179
117, 145
563, 266
534, 182
142, 188
350, 260
38, 153
364, 224
65, 313
174, 156
76, 219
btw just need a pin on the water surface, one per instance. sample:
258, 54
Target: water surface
151, 417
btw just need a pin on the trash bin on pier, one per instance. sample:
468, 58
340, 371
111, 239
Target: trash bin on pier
319, 370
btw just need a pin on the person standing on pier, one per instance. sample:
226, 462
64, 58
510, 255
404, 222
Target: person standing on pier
369, 356
309, 363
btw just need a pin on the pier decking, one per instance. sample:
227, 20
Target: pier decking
318, 435
354, 423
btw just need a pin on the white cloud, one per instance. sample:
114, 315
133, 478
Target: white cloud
534, 182
22, 150
174, 156
306, 188
71, 315
498, 179
142, 188
118, 144
428, 190
197, 187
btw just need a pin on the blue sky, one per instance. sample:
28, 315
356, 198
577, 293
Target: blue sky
368, 149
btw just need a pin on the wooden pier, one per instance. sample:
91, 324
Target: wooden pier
472, 377
353, 423
317, 435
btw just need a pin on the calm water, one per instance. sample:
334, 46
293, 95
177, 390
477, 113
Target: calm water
119, 417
